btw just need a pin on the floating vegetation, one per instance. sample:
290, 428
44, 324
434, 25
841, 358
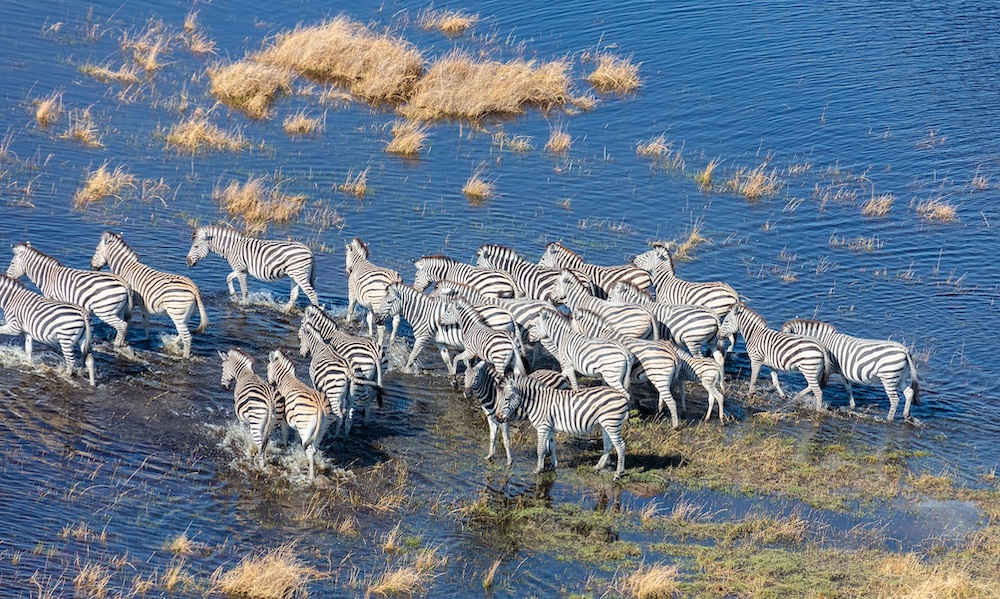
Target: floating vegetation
250, 86
257, 204
356, 185
449, 22
274, 574
559, 140
755, 183
197, 133
460, 86
103, 183
615, 74
935, 209
48, 109
301, 123
878, 205
477, 188
407, 138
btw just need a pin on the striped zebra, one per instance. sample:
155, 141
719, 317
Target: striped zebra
603, 277
576, 352
658, 363
262, 259
778, 351
499, 348
255, 399
424, 315
688, 326
306, 410
628, 319
532, 280
366, 285
47, 321
332, 376
866, 362
480, 384
104, 295
709, 373
716, 295
575, 412
154, 292
490, 282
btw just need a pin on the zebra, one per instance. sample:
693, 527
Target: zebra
480, 384
332, 376
499, 348
262, 259
532, 280
576, 352
709, 373
604, 278
306, 410
255, 400
658, 362
865, 362
574, 412
424, 315
155, 292
366, 285
103, 294
688, 326
47, 321
778, 351
716, 295
628, 319
490, 282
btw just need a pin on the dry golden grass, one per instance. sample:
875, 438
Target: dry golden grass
48, 109
273, 575
516, 143
92, 581
407, 138
937, 210
656, 148
257, 205
349, 527
559, 141
477, 188
449, 22
651, 582
301, 123
197, 133
459, 86
181, 545
979, 182
356, 185
856, 244
491, 574
82, 128
196, 40
191, 22
615, 74
406, 581
176, 578
684, 249
756, 183
148, 47
878, 205
103, 183
250, 86
125, 75
704, 177
392, 541
906, 577
373, 66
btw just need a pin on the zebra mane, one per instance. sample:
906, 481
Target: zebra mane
360, 246
565, 250
437, 257
500, 249
5, 280
242, 355
25, 246
209, 231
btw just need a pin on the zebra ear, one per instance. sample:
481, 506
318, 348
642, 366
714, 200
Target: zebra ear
223, 356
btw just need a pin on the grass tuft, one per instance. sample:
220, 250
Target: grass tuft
704, 177
197, 133
406, 581
449, 22
878, 206
477, 188
92, 581
250, 86
301, 123
490, 574
48, 109
181, 545
937, 210
257, 205
684, 249
407, 138
661, 152
196, 40
272, 575
559, 141
517, 143
615, 74
82, 128
148, 47
103, 183
356, 185
756, 183
651, 582
125, 75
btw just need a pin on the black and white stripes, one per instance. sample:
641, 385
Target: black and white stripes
366, 286
255, 400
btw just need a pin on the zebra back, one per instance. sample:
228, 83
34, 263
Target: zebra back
367, 281
629, 319
776, 349
489, 282
568, 411
263, 259
670, 289
604, 278
254, 400
363, 354
531, 280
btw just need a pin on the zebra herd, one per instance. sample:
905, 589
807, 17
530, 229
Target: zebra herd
626, 324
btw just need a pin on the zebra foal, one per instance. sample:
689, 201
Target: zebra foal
155, 292
367, 285
865, 362
604, 278
255, 400
104, 295
46, 321
306, 409
262, 259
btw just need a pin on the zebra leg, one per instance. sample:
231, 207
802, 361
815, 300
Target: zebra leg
890, 390
754, 371
543, 446
494, 427
395, 329
850, 392
27, 347
292, 296
777, 385
552, 449
505, 431
120, 326
66, 345
352, 303
670, 403
229, 283
242, 278
418, 345
180, 321
607, 450
908, 394
570, 373
88, 361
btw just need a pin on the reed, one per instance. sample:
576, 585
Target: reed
257, 204
250, 86
490, 575
275, 574
48, 109
755, 183
197, 133
180, 545
406, 581
615, 74
651, 582
559, 141
356, 185
684, 249
103, 183
196, 39
878, 206
449, 22
148, 46
92, 580
407, 138
301, 123
656, 148
127, 74
517, 143
935, 209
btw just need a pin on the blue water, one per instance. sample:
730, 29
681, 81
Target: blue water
858, 98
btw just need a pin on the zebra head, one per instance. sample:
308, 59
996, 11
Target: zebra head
451, 314
731, 323
509, 398
422, 279
200, 239
550, 258
229, 363
539, 328
278, 367
478, 382
17, 267
566, 284
392, 304
354, 251
100, 259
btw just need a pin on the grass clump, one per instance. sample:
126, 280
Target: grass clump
856, 244
615, 74
490, 575
48, 109
92, 581
559, 141
935, 209
756, 183
197, 133
272, 575
148, 47
407, 138
449, 22
704, 177
684, 249
301, 123
459, 86
196, 40
406, 581
376, 67
125, 75
878, 206
103, 183
516, 143
661, 152
181, 545
82, 128
257, 205
250, 86
477, 188
650, 582
356, 185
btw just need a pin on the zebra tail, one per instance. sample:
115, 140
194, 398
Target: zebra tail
628, 370
827, 369
85, 346
203, 324
914, 383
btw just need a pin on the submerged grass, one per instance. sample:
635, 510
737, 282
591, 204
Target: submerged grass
449, 22
250, 86
935, 209
407, 139
274, 574
478, 188
48, 109
126, 74
615, 74
755, 183
82, 128
258, 204
356, 185
301, 123
559, 140
704, 177
878, 206
103, 183
197, 133
400, 582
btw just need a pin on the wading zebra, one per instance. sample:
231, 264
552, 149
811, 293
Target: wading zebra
603, 277
490, 282
628, 319
866, 362
155, 292
778, 351
46, 321
499, 348
332, 376
306, 409
262, 259
709, 373
686, 325
574, 412
366, 285
658, 363
424, 315
576, 352
716, 295
255, 399
103, 294
480, 384
532, 280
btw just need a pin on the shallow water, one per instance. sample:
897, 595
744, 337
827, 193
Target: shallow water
847, 101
